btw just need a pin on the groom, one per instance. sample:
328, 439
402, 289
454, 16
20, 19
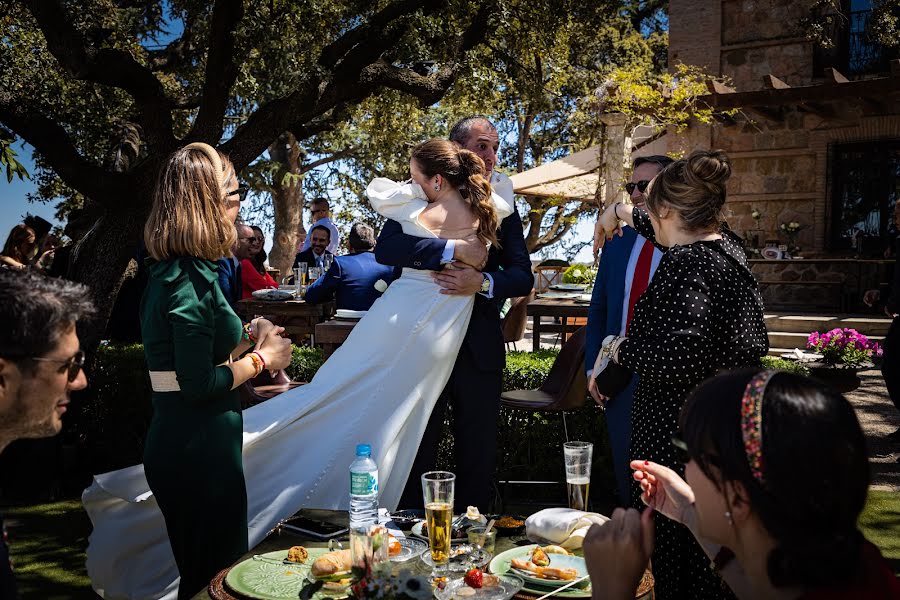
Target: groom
473, 390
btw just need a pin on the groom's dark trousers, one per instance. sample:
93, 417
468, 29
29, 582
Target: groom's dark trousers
473, 391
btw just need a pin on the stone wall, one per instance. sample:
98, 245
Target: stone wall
817, 285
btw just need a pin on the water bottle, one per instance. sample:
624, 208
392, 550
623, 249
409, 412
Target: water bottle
363, 489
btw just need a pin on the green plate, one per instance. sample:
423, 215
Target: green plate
266, 577
502, 564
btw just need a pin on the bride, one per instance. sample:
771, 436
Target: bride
378, 388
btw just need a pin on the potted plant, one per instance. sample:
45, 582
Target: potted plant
790, 230
844, 353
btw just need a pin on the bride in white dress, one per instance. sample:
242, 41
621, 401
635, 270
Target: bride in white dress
378, 388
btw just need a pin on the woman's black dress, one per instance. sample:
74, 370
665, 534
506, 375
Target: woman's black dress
702, 313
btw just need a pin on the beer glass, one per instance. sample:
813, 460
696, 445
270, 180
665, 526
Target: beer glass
578, 472
437, 491
300, 274
314, 273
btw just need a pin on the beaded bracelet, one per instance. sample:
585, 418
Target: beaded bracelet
257, 363
248, 332
261, 359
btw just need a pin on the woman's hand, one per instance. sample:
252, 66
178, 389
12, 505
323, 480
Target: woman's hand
275, 350
617, 553
260, 327
599, 398
665, 491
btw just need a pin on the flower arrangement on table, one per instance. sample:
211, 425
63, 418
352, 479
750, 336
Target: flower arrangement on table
791, 229
843, 347
580, 273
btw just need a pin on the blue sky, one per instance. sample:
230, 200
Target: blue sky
12, 197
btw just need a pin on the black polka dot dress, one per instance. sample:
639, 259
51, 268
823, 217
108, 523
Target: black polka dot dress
701, 313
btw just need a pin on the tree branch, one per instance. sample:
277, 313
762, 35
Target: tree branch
53, 143
328, 159
106, 66
221, 72
173, 55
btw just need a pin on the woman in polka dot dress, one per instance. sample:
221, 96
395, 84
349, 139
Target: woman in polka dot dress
701, 313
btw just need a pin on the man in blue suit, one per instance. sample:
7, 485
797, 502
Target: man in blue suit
626, 267
473, 391
353, 279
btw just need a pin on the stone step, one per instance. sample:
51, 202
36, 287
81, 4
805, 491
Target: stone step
867, 325
791, 340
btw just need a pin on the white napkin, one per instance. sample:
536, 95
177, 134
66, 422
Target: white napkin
564, 527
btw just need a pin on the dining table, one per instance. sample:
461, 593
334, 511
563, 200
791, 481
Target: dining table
567, 307
331, 334
298, 317
284, 538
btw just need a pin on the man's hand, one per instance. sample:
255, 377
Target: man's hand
617, 553
470, 251
458, 279
599, 240
599, 398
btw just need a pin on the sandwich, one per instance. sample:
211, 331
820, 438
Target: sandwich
334, 569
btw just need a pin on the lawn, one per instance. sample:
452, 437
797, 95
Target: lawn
48, 542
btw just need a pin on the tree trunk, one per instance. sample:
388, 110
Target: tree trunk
287, 200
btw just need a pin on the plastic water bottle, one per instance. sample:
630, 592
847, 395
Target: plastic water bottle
363, 489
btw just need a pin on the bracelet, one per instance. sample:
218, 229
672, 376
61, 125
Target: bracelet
261, 359
257, 363
616, 210
248, 332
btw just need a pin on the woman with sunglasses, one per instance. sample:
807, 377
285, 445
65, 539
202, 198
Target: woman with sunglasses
701, 313
777, 475
253, 270
192, 342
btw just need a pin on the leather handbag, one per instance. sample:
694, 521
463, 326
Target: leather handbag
611, 377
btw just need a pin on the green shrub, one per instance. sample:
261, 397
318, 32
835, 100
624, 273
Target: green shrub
305, 361
791, 366
580, 273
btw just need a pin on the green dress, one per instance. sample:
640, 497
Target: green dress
192, 456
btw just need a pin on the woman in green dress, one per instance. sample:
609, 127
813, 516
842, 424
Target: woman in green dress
192, 456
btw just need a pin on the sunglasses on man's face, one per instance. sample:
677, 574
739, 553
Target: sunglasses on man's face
73, 365
240, 192
640, 185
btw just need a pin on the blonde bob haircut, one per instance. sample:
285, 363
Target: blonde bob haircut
188, 216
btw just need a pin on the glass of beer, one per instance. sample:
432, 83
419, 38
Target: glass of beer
437, 490
578, 472
300, 274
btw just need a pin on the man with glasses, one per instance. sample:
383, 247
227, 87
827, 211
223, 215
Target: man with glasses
40, 364
627, 265
321, 216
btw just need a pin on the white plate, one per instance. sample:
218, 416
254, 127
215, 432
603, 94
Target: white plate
409, 549
568, 287
508, 587
344, 313
277, 295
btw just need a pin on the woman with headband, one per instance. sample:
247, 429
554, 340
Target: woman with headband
777, 475
192, 342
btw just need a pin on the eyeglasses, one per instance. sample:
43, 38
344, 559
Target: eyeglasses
640, 185
73, 364
683, 455
240, 192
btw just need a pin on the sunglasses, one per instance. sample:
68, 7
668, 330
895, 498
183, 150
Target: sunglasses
73, 365
683, 455
254, 238
240, 192
640, 185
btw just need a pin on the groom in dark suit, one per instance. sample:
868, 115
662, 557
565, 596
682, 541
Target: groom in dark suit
473, 390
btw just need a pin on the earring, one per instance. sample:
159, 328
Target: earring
728, 516
437, 188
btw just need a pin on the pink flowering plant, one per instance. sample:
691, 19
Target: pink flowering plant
846, 347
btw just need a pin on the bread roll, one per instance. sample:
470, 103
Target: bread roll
333, 563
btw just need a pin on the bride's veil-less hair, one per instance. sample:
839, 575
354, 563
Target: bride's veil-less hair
188, 217
465, 171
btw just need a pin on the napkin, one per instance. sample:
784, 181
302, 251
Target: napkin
564, 527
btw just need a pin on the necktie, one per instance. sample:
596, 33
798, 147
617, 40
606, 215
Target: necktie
640, 280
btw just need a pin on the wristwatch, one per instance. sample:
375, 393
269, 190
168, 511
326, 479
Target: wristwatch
485, 285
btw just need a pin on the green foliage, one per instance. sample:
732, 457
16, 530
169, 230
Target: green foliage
305, 361
580, 273
791, 366
8, 157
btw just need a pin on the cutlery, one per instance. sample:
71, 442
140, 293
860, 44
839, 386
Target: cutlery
568, 585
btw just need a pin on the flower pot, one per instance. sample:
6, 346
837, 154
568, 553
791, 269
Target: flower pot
841, 379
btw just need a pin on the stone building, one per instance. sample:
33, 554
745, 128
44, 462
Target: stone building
816, 142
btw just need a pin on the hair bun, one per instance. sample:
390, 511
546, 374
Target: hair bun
711, 168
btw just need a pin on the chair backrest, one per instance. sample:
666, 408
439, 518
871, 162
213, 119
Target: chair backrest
513, 323
567, 382
545, 276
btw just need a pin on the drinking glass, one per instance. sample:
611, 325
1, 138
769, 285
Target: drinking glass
437, 491
486, 541
314, 273
326, 261
370, 546
578, 472
300, 274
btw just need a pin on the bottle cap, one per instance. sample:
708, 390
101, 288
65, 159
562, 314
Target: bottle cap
363, 450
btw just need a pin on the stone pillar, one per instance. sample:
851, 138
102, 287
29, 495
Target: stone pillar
616, 155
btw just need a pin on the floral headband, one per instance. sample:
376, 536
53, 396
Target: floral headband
751, 420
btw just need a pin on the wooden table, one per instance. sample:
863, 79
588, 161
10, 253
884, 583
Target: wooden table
331, 334
563, 308
298, 317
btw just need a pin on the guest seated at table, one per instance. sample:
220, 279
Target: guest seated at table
356, 280
20, 247
314, 256
253, 268
777, 475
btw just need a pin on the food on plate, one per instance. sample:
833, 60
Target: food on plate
474, 578
439, 582
540, 558
464, 592
560, 574
334, 569
489, 580
297, 554
554, 549
394, 547
508, 522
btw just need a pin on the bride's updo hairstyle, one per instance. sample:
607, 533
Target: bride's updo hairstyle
464, 170
694, 187
810, 475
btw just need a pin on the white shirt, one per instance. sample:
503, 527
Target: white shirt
629, 273
335, 242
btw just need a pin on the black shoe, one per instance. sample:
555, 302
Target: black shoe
894, 437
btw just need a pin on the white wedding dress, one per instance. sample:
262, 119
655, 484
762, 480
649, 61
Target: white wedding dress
378, 388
